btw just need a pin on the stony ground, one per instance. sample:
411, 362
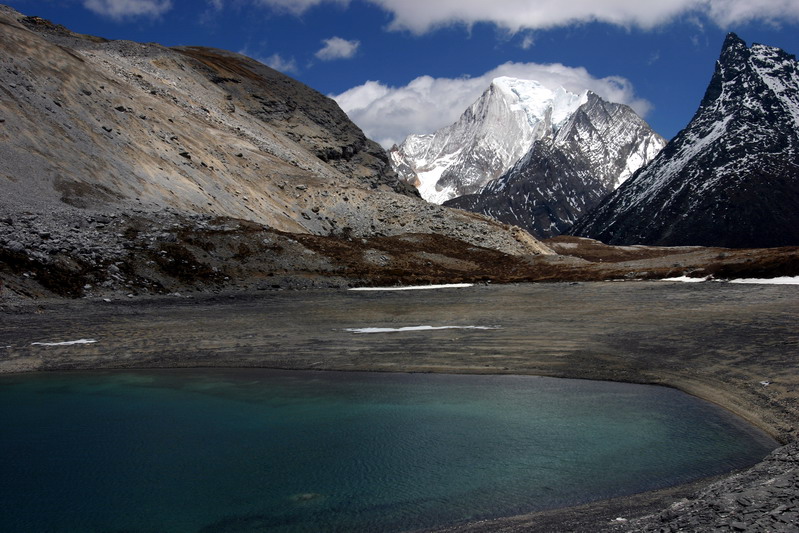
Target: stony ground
129, 253
736, 345
762, 499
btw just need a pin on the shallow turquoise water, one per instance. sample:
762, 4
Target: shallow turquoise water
255, 450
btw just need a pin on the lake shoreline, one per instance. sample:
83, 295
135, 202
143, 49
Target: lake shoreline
733, 346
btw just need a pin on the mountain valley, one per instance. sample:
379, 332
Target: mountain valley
161, 199
131, 169
161, 141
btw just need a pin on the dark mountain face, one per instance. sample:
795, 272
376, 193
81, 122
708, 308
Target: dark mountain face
565, 176
731, 178
544, 193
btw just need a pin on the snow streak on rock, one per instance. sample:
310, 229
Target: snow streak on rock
65, 343
564, 175
731, 177
490, 136
415, 287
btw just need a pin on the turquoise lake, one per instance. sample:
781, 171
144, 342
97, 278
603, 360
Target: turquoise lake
211, 451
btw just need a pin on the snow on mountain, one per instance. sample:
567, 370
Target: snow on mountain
731, 177
562, 177
490, 136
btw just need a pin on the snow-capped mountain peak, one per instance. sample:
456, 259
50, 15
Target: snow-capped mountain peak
488, 138
595, 148
538, 102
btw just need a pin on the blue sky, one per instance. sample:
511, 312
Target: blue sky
412, 66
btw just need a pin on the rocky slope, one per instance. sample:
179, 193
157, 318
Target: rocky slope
564, 176
731, 177
97, 136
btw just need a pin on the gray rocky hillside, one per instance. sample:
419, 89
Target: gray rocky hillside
105, 146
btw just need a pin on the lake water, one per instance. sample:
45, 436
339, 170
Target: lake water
256, 450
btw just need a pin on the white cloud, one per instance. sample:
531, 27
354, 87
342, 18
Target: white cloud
389, 114
337, 48
421, 16
297, 7
528, 42
277, 62
119, 9
729, 12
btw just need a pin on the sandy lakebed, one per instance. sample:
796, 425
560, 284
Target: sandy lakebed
734, 345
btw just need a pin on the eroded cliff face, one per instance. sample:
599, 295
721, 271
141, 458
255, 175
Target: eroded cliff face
93, 128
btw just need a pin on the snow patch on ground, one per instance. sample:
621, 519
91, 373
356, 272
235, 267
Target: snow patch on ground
785, 280
65, 343
415, 328
686, 279
415, 287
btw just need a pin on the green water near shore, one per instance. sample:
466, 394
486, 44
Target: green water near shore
256, 450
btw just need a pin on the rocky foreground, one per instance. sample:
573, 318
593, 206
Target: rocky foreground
762, 499
118, 253
79, 253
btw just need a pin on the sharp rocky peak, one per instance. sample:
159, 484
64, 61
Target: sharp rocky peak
731, 177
